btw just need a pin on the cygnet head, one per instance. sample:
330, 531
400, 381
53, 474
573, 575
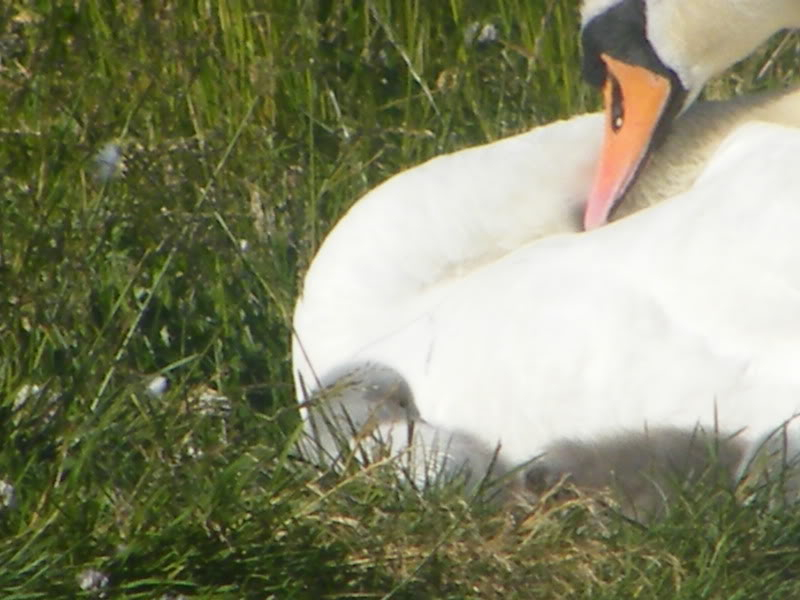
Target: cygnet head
651, 59
366, 410
351, 402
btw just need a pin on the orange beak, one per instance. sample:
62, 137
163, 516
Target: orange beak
635, 101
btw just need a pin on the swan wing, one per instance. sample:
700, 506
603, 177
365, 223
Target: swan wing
684, 314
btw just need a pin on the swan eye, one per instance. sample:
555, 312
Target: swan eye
617, 104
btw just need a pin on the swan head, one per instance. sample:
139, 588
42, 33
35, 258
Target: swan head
651, 59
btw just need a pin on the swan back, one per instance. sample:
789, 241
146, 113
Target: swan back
675, 166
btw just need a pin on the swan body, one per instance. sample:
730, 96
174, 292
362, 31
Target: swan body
470, 280
523, 338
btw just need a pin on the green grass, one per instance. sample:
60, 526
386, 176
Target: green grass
247, 129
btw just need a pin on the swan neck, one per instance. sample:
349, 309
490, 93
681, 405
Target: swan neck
700, 39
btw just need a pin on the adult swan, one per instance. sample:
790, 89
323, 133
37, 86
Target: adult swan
458, 293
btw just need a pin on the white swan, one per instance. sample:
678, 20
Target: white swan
652, 58
453, 275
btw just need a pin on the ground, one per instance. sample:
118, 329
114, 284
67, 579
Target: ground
167, 170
